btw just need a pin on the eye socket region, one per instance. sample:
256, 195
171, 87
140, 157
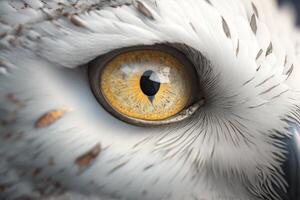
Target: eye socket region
146, 85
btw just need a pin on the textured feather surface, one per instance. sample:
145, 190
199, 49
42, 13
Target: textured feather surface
247, 57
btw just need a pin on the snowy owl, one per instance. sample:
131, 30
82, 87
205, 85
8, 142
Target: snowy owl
149, 100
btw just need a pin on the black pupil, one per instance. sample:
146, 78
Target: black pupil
148, 86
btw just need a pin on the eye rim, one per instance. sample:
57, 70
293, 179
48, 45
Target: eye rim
96, 66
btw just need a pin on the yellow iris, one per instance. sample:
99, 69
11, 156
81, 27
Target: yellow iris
146, 84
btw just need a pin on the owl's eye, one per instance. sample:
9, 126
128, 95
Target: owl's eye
145, 85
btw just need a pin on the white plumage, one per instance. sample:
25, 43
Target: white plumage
231, 150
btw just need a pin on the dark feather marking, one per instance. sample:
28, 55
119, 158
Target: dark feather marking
253, 24
258, 68
285, 60
50, 117
193, 27
255, 9
259, 54
264, 81
143, 9
270, 49
212, 153
117, 167
248, 81
290, 71
226, 28
270, 89
87, 158
148, 167
251, 107
238, 48
209, 2
280, 94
